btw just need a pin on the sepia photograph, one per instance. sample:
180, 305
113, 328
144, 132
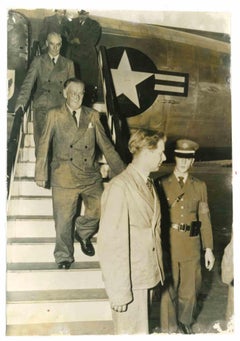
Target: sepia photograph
120, 170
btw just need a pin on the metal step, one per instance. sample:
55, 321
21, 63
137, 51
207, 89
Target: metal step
30, 206
25, 169
30, 227
28, 187
30, 127
29, 140
57, 306
36, 250
79, 276
27, 154
63, 328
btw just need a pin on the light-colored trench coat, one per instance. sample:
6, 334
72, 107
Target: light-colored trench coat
129, 242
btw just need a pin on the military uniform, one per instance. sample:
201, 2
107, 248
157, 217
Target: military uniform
187, 204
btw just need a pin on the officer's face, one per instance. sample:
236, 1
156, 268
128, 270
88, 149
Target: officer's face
155, 157
183, 164
54, 45
74, 94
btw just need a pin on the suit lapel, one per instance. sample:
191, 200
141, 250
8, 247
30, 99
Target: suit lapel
141, 186
83, 124
68, 123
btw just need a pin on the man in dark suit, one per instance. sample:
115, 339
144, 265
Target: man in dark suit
55, 23
76, 132
129, 243
84, 35
190, 225
49, 71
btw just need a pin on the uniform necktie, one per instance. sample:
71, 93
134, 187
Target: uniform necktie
149, 184
74, 117
180, 180
53, 60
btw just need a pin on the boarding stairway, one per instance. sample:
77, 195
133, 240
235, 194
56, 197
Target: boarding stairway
42, 299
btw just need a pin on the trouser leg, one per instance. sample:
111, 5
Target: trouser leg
64, 209
135, 319
168, 319
87, 224
39, 117
189, 282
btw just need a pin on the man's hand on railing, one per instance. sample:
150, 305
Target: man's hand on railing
17, 108
41, 183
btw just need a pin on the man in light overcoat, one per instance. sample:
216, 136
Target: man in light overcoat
129, 243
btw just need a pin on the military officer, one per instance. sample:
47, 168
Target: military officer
190, 226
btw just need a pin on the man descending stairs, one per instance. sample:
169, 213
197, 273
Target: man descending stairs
42, 299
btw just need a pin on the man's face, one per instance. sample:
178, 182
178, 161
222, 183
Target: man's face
74, 94
155, 157
54, 45
183, 164
82, 17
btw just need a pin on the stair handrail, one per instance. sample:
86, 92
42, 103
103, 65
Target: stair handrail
14, 142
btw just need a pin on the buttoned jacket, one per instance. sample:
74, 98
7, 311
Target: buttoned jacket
192, 206
128, 240
49, 80
74, 161
88, 32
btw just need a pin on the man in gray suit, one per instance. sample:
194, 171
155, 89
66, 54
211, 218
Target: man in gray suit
49, 71
129, 242
76, 132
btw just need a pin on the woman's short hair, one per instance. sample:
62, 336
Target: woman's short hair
144, 138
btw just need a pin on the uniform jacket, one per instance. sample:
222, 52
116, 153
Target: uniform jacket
74, 160
50, 79
192, 206
129, 243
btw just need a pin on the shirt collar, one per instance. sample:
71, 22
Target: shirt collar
55, 57
177, 174
78, 111
140, 173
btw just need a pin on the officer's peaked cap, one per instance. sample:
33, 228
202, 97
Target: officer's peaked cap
186, 148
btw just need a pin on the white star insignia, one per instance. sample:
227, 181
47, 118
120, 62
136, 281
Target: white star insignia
125, 79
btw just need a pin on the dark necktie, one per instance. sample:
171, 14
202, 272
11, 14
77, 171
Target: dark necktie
180, 180
149, 184
53, 60
74, 117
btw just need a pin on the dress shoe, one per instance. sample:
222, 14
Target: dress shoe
64, 265
86, 245
185, 328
